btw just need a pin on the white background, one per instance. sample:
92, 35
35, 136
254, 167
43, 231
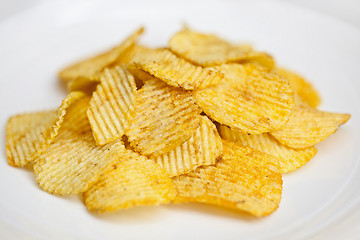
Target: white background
346, 10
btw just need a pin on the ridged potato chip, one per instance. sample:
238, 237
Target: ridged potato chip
303, 88
133, 53
308, 126
244, 179
92, 66
88, 84
288, 159
111, 105
176, 71
251, 100
27, 135
133, 181
203, 148
164, 117
73, 162
210, 50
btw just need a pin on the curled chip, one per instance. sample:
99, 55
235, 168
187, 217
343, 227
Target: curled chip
111, 105
251, 100
289, 159
133, 181
73, 162
164, 117
244, 179
203, 148
175, 71
302, 88
308, 126
94, 65
209, 50
27, 135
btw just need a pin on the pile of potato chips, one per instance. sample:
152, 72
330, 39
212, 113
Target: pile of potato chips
203, 120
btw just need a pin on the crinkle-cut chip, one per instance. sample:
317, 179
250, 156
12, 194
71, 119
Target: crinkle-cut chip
251, 100
23, 133
244, 179
131, 54
164, 117
88, 83
176, 71
134, 52
27, 135
203, 148
111, 105
73, 162
288, 159
308, 126
304, 89
133, 181
210, 50
91, 66
140, 76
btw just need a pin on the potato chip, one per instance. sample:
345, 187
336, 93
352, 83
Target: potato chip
22, 135
175, 71
251, 100
85, 84
111, 105
203, 148
133, 181
303, 88
244, 179
92, 66
210, 50
308, 126
27, 135
288, 159
163, 118
88, 83
73, 162
131, 54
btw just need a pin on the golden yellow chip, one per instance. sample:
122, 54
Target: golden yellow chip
209, 50
73, 162
88, 83
85, 84
203, 148
22, 135
244, 179
251, 100
164, 117
133, 181
302, 88
111, 105
175, 71
288, 159
308, 126
27, 135
92, 66
133, 53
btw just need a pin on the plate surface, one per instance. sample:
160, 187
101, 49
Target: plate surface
36, 44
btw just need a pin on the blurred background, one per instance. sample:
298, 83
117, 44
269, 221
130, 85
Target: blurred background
347, 10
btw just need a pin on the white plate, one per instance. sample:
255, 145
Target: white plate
316, 199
